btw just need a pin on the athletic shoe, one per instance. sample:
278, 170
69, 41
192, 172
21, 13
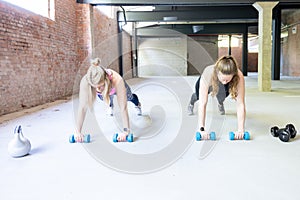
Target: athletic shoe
190, 109
138, 109
221, 109
110, 111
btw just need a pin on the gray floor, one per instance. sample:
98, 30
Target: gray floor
165, 162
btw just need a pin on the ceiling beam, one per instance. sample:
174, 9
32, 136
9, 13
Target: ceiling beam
238, 13
207, 29
178, 2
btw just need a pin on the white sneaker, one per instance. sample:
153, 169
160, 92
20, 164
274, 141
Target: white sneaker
138, 109
190, 109
110, 111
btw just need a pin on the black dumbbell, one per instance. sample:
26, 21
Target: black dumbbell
291, 129
284, 134
274, 131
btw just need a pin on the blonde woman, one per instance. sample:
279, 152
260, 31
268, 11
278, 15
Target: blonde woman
104, 83
222, 79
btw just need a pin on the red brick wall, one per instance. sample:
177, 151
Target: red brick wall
38, 56
127, 56
106, 40
84, 37
43, 60
252, 62
291, 46
237, 53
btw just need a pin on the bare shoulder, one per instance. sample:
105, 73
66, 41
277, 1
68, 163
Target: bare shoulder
113, 72
209, 69
241, 75
116, 77
207, 74
83, 81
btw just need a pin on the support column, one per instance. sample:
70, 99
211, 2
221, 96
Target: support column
245, 52
276, 44
134, 50
229, 45
265, 44
120, 47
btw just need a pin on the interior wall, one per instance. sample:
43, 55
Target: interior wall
236, 52
202, 51
84, 41
41, 60
38, 56
162, 56
291, 45
106, 40
105, 36
127, 56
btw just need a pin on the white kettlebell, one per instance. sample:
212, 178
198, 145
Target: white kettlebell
19, 146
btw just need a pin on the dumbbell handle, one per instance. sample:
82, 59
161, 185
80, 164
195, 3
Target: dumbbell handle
86, 138
129, 137
246, 135
212, 136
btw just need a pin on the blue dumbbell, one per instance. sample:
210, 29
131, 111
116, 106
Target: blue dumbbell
212, 136
245, 137
129, 137
86, 138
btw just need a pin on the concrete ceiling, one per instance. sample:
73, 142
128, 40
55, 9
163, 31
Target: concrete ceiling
187, 19
180, 2
228, 16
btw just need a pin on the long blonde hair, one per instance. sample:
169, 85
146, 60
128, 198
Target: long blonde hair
226, 65
94, 76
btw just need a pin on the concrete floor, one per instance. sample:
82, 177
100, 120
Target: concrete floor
165, 162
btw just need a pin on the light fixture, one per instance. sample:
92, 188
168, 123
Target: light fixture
170, 18
197, 28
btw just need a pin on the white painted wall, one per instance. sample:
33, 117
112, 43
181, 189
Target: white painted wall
162, 56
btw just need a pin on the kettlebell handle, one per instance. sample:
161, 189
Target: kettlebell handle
18, 129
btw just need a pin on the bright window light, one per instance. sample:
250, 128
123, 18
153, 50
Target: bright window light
41, 7
107, 10
253, 44
224, 41
139, 8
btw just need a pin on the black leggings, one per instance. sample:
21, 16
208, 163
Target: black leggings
221, 95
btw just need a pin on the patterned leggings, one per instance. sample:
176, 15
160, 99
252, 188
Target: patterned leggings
130, 96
